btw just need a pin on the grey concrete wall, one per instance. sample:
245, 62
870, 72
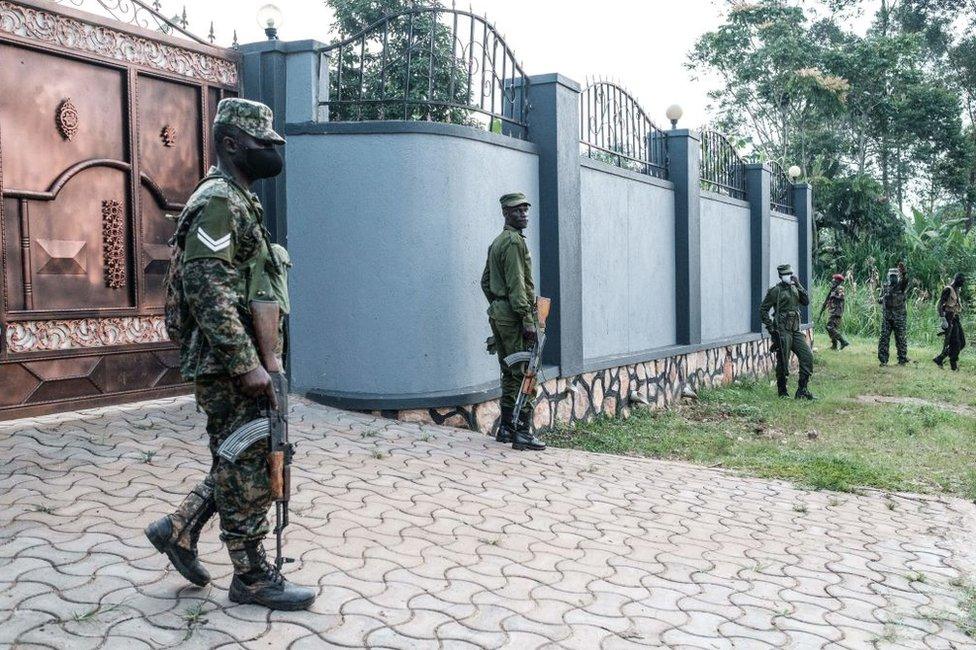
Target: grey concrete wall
784, 237
389, 226
628, 263
726, 290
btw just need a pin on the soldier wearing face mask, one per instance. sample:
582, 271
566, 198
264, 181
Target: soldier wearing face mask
224, 261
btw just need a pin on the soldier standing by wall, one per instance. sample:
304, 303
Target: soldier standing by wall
894, 317
785, 299
508, 286
223, 261
835, 304
950, 310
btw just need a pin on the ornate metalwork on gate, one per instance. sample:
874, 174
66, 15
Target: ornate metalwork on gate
615, 128
142, 14
431, 64
781, 190
86, 187
722, 169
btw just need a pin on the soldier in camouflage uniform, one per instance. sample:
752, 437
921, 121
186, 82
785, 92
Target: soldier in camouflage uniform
507, 284
785, 299
227, 262
950, 311
835, 304
894, 317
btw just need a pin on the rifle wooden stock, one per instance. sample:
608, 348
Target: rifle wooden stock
276, 462
265, 315
542, 306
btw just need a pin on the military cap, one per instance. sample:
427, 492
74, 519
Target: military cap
784, 269
253, 118
838, 277
514, 199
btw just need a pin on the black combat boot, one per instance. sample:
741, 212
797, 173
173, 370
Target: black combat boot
781, 389
801, 390
833, 344
176, 535
524, 438
844, 343
939, 361
257, 581
506, 432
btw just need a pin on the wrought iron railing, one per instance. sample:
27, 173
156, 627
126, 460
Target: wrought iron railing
145, 15
781, 190
615, 129
722, 169
430, 63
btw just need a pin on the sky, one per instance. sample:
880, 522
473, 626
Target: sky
640, 44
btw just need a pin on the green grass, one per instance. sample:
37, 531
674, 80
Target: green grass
835, 443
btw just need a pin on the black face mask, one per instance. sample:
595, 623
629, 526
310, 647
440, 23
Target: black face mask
262, 163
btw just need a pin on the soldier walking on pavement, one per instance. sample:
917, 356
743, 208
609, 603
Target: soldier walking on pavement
508, 286
835, 306
950, 311
894, 317
223, 260
785, 299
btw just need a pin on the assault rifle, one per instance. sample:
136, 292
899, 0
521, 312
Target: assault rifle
273, 425
533, 360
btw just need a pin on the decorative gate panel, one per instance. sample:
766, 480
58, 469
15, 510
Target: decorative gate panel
104, 132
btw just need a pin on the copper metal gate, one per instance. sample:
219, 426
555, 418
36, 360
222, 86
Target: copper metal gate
104, 131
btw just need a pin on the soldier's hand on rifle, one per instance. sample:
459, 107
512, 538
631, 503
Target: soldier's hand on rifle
257, 383
529, 336
794, 280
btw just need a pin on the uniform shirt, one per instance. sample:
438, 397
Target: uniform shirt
226, 263
949, 302
835, 301
507, 280
894, 294
785, 300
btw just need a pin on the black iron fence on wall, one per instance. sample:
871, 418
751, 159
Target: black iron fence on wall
781, 190
615, 129
722, 169
429, 64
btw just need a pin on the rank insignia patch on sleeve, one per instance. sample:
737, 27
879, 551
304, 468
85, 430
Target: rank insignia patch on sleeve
216, 245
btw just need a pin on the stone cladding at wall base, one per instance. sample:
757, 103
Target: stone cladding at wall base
617, 391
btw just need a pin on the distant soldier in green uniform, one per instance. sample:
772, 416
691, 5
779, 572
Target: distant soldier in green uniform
785, 299
834, 304
507, 284
223, 260
894, 317
950, 311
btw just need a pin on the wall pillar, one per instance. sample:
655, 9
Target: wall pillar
554, 127
803, 206
684, 155
759, 195
283, 75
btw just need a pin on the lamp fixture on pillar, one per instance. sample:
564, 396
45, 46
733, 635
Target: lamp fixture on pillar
270, 18
794, 173
674, 114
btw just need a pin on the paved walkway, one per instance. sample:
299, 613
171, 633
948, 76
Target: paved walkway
421, 536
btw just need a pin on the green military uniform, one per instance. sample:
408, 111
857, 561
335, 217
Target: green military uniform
785, 300
508, 286
228, 261
835, 310
894, 317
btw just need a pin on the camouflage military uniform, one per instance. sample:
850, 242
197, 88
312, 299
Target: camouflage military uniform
785, 300
950, 309
228, 261
894, 317
835, 309
507, 284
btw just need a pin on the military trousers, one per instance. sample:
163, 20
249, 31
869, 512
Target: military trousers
242, 490
896, 323
793, 342
834, 330
508, 340
955, 341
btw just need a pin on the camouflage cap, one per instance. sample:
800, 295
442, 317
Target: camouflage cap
513, 199
784, 269
894, 271
253, 118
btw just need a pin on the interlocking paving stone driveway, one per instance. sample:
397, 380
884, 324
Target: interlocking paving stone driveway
426, 537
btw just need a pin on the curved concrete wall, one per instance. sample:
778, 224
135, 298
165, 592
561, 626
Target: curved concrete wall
389, 237
628, 263
784, 236
726, 291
